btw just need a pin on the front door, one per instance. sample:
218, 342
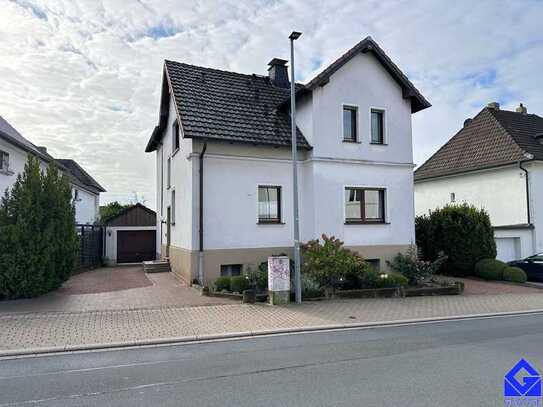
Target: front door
168, 230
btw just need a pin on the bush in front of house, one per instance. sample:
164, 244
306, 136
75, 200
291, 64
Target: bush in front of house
376, 279
222, 283
514, 274
329, 263
415, 270
490, 269
462, 232
238, 284
38, 241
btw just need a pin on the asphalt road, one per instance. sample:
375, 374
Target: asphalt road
460, 363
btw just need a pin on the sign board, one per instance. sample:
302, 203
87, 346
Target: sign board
278, 273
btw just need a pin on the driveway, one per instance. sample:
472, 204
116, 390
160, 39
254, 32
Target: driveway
114, 288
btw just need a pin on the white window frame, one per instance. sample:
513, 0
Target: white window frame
172, 206
357, 139
281, 203
385, 125
4, 168
169, 173
174, 125
386, 200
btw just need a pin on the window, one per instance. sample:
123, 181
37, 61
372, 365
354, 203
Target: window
269, 204
377, 126
76, 195
169, 173
375, 264
173, 208
175, 133
349, 123
229, 270
453, 197
4, 161
364, 205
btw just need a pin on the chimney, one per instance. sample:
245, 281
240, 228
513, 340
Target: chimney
42, 149
522, 109
278, 73
493, 105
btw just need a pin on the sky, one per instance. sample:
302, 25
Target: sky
82, 77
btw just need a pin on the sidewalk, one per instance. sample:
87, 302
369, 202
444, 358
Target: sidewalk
48, 331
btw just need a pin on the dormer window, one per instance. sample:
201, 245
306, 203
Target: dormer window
175, 135
350, 126
4, 161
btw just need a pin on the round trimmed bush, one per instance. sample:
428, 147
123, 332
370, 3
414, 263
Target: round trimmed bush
222, 283
396, 280
514, 274
238, 284
490, 269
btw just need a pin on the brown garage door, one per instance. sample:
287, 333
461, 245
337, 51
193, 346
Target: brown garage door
134, 246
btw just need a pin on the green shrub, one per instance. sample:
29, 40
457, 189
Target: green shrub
490, 269
375, 279
258, 278
514, 274
38, 242
329, 263
222, 283
462, 232
415, 270
310, 288
238, 284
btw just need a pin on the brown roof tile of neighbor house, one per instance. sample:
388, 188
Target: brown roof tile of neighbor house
492, 138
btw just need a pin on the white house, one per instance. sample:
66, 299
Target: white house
14, 151
494, 162
224, 169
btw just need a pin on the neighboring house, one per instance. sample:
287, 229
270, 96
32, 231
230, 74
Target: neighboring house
130, 236
14, 151
494, 162
224, 168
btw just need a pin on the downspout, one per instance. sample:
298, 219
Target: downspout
161, 192
201, 218
527, 191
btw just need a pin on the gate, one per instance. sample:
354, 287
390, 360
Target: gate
91, 246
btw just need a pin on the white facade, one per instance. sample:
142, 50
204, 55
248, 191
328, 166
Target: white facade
86, 202
503, 194
233, 172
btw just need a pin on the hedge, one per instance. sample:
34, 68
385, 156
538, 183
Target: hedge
490, 269
514, 274
222, 283
461, 232
238, 284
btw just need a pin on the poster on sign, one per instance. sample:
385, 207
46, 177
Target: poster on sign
279, 273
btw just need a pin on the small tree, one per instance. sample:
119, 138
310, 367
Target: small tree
462, 232
110, 210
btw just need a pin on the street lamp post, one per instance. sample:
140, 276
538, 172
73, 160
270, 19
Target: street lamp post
297, 277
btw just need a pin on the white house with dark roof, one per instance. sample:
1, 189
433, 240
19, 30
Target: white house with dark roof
14, 151
495, 162
224, 169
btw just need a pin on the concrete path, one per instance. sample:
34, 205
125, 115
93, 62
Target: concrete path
35, 332
460, 363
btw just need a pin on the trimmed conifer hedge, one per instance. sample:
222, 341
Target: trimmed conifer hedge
38, 241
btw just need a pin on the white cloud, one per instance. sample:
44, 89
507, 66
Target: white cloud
83, 77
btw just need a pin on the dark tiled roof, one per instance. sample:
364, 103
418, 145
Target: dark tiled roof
229, 106
80, 174
493, 138
8, 132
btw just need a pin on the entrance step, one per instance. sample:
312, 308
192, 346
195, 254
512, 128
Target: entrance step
156, 266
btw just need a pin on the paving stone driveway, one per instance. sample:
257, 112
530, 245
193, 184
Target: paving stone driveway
102, 290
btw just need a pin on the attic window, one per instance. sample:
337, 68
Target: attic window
539, 137
175, 135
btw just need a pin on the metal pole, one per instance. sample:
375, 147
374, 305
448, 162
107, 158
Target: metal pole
297, 277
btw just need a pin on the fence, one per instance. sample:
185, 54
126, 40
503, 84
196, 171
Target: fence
91, 244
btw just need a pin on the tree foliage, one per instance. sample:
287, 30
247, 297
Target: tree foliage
38, 242
462, 232
110, 210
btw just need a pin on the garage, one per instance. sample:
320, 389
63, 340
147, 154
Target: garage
135, 246
130, 236
507, 248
